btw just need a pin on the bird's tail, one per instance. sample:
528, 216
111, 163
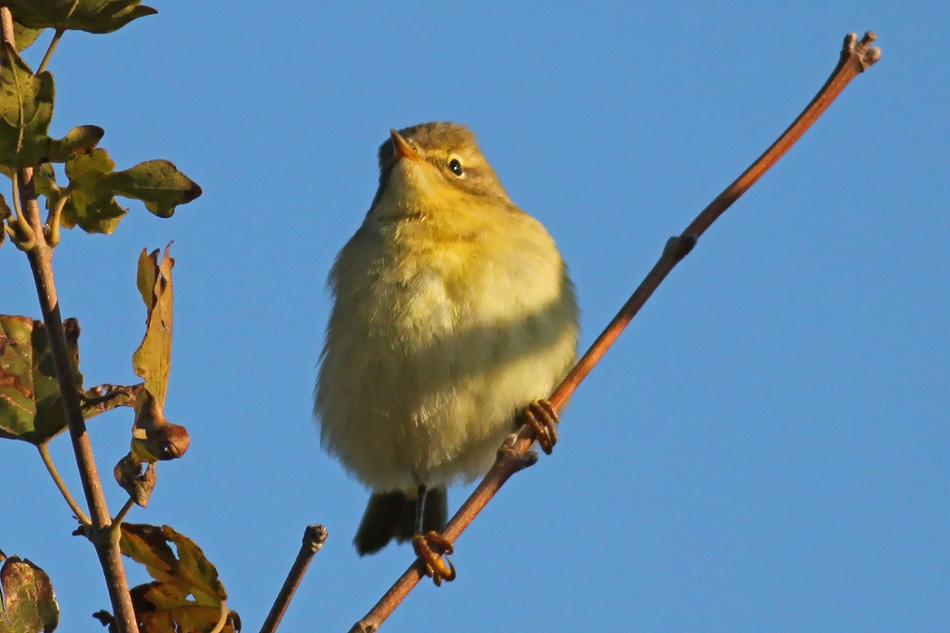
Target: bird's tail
392, 515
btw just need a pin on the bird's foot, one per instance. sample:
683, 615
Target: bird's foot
430, 548
541, 416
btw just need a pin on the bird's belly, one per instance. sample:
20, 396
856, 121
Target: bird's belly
426, 387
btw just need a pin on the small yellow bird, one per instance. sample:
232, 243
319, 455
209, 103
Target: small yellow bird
452, 313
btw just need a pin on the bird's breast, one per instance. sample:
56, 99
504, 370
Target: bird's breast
433, 345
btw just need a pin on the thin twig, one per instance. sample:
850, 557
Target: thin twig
58, 480
855, 58
120, 517
313, 538
40, 257
9, 35
49, 51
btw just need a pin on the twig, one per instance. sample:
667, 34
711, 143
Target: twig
120, 517
855, 58
58, 480
9, 35
40, 257
313, 538
49, 51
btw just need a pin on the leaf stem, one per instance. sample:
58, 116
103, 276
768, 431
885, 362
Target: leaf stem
49, 51
52, 220
223, 619
25, 239
58, 480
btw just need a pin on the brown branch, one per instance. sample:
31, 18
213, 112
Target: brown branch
41, 263
314, 537
856, 56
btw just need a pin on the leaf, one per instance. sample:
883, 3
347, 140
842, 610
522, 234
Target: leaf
154, 438
102, 398
134, 479
158, 184
186, 594
91, 203
29, 603
26, 109
5, 212
152, 360
94, 16
23, 36
93, 184
79, 139
44, 177
31, 408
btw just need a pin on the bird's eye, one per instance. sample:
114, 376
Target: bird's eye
456, 167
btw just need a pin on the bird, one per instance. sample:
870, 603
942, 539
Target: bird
453, 312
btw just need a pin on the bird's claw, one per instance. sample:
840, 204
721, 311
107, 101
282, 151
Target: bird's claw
541, 416
431, 548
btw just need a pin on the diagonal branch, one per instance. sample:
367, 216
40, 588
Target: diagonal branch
856, 56
313, 538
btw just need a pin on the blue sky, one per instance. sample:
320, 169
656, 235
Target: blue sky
764, 449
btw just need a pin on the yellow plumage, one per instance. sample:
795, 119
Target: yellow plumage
452, 311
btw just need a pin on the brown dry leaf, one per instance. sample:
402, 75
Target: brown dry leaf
186, 594
135, 479
154, 438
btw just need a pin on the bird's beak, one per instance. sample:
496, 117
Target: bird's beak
403, 148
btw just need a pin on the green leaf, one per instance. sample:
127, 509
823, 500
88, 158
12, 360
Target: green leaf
91, 204
44, 177
26, 109
5, 212
152, 360
29, 603
94, 16
79, 139
186, 594
93, 186
158, 184
23, 36
31, 408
